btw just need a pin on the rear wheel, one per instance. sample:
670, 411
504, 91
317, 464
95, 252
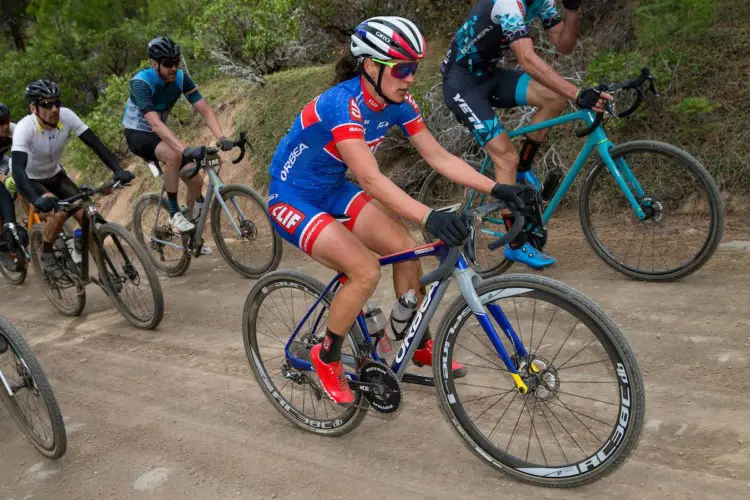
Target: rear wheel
275, 306
126, 273
67, 294
29, 395
256, 249
163, 246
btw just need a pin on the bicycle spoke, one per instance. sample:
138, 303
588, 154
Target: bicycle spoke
525, 402
564, 341
576, 417
585, 415
501, 416
576, 354
492, 405
482, 357
546, 330
554, 435
586, 397
565, 429
583, 364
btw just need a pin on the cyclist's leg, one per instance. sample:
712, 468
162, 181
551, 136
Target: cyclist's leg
7, 216
298, 217
171, 159
516, 88
61, 186
470, 98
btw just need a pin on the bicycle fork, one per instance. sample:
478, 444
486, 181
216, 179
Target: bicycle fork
465, 278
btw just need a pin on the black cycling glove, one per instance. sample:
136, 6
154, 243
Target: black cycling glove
511, 195
448, 227
587, 98
194, 153
225, 144
124, 176
46, 204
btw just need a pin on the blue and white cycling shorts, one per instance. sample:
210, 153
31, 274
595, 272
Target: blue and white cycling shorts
299, 216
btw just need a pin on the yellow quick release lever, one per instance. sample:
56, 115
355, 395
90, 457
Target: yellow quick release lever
520, 385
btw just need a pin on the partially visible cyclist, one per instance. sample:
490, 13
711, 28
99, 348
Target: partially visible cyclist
340, 129
38, 143
473, 86
7, 196
153, 94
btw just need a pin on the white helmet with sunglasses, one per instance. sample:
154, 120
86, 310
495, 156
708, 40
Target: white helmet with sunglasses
388, 40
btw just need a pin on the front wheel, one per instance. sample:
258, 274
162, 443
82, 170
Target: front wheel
29, 395
244, 236
684, 213
583, 412
67, 294
128, 276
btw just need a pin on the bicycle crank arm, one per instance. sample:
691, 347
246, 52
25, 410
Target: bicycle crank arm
365, 387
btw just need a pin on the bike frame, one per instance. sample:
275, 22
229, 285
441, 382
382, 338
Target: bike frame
435, 292
596, 141
214, 190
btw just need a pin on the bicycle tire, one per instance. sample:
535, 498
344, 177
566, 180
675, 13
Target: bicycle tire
22, 351
124, 236
181, 265
687, 162
604, 330
15, 277
276, 243
270, 282
433, 177
35, 249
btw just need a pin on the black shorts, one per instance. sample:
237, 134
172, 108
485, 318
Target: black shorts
59, 184
142, 143
473, 99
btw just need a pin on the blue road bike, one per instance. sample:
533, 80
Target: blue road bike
552, 394
658, 216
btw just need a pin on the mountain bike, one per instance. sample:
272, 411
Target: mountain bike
246, 239
25, 388
124, 268
14, 263
659, 202
575, 384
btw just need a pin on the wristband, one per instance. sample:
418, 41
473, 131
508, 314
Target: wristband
424, 219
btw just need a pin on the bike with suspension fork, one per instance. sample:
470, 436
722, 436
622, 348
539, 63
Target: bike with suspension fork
658, 216
246, 239
126, 274
563, 373
24, 387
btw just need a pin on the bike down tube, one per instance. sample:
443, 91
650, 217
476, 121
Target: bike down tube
567, 182
465, 281
603, 145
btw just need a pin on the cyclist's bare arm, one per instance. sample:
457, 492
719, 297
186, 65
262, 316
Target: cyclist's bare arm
165, 133
564, 34
207, 113
358, 157
540, 70
448, 165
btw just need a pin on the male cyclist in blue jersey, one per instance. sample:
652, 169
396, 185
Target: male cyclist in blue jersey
340, 129
473, 86
153, 93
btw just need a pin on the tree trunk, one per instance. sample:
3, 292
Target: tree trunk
14, 15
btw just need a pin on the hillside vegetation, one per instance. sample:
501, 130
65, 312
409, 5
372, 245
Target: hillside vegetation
270, 57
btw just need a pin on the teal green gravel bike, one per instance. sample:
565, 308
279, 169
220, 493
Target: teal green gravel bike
658, 216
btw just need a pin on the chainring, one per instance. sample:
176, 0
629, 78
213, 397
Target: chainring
380, 374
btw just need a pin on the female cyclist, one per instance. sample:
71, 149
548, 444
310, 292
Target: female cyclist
340, 129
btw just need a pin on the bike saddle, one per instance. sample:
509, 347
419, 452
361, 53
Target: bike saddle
341, 217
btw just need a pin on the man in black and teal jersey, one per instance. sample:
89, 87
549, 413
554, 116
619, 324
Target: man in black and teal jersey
153, 94
473, 86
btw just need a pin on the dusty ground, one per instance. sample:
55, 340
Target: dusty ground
177, 413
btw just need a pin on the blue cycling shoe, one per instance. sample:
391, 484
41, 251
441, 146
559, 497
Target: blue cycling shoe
529, 255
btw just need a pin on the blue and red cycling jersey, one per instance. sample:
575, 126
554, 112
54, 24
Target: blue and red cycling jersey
308, 181
307, 156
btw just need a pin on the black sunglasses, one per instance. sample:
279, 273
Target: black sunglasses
50, 104
170, 63
4, 121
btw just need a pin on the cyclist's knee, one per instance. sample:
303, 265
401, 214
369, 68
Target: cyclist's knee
504, 158
366, 274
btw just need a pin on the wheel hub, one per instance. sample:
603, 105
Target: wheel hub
653, 208
248, 230
542, 378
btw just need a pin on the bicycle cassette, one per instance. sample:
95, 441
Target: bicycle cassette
386, 398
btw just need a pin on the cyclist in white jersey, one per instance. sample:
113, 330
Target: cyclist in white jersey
39, 140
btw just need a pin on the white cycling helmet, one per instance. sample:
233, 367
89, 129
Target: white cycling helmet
388, 37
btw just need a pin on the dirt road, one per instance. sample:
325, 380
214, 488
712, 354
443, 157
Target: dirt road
176, 413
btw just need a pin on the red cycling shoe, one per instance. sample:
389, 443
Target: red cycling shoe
332, 377
423, 357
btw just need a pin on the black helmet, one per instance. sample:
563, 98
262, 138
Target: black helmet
163, 48
41, 89
4, 111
